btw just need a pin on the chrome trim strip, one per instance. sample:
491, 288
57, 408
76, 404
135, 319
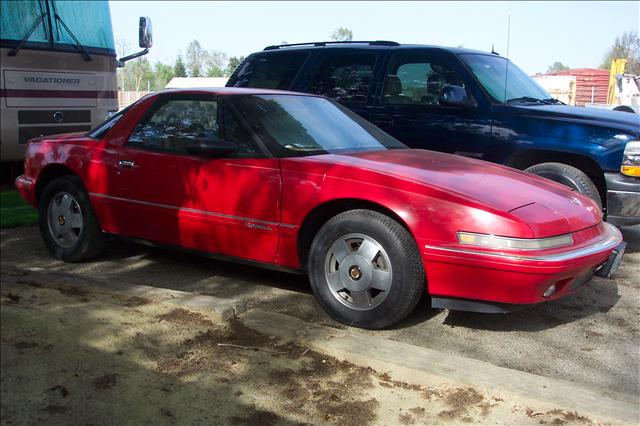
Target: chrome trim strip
189, 210
612, 238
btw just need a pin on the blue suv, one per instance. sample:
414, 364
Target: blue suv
470, 103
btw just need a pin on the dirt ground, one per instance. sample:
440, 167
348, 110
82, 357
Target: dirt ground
591, 338
84, 356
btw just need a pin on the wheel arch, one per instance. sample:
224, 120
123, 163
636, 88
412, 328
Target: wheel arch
49, 173
317, 217
581, 162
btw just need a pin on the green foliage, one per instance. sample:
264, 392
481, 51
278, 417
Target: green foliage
14, 211
139, 74
233, 63
626, 46
557, 66
179, 70
163, 74
136, 75
342, 34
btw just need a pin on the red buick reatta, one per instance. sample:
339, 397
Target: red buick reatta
298, 182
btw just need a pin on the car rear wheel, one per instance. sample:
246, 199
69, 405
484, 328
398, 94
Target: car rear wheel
68, 224
365, 269
569, 176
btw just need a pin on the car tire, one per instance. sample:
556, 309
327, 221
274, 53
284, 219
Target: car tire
365, 269
569, 176
68, 224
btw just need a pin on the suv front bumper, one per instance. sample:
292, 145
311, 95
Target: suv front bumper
623, 199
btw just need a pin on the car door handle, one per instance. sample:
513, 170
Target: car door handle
126, 164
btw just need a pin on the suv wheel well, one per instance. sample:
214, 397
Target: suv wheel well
50, 173
322, 213
587, 165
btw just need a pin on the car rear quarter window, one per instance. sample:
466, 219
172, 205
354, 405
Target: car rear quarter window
269, 71
345, 77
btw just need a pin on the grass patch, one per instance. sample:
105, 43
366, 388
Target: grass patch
14, 211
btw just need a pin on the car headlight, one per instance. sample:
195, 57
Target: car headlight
631, 159
493, 241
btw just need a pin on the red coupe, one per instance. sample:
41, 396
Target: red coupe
299, 182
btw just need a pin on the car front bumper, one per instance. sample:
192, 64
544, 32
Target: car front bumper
623, 199
465, 279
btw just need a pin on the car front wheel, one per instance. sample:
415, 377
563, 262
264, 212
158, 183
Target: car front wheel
67, 222
365, 269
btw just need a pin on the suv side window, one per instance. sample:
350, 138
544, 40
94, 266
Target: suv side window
417, 79
174, 124
344, 77
270, 71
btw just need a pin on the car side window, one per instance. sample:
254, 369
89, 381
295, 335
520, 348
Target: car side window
418, 79
344, 77
270, 71
179, 122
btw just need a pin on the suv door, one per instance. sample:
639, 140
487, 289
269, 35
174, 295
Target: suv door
227, 205
348, 76
410, 107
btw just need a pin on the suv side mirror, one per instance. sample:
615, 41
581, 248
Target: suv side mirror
456, 96
209, 146
145, 33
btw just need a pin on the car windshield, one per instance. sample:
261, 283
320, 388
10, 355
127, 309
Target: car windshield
307, 125
505, 86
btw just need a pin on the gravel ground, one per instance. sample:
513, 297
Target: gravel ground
591, 338
105, 350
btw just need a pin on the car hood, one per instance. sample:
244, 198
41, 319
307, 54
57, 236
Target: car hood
547, 207
617, 120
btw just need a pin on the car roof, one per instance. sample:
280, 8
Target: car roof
367, 45
229, 91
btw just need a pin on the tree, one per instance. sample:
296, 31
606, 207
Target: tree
122, 47
215, 62
179, 69
163, 74
195, 57
626, 46
233, 63
342, 34
557, 66
138, 75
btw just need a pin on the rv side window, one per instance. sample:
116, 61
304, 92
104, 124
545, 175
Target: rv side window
270, 71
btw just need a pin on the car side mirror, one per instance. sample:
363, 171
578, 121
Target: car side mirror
456, 96
210, 146
145, 33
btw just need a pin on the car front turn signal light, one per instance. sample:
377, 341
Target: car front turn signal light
492, 241
631, 159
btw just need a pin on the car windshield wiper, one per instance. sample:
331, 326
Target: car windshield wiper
529, 99
554, 101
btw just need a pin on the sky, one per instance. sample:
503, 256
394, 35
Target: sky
576, 33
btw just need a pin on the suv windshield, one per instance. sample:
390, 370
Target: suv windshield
307, 125
503, 86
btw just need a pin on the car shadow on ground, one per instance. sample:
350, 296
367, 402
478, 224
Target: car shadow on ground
291, 294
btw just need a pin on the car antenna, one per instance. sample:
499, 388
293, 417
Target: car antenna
493, 50
506, 74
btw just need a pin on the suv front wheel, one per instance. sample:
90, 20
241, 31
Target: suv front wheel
569, 176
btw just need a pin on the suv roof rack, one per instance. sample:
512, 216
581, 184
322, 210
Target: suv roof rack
324, 43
